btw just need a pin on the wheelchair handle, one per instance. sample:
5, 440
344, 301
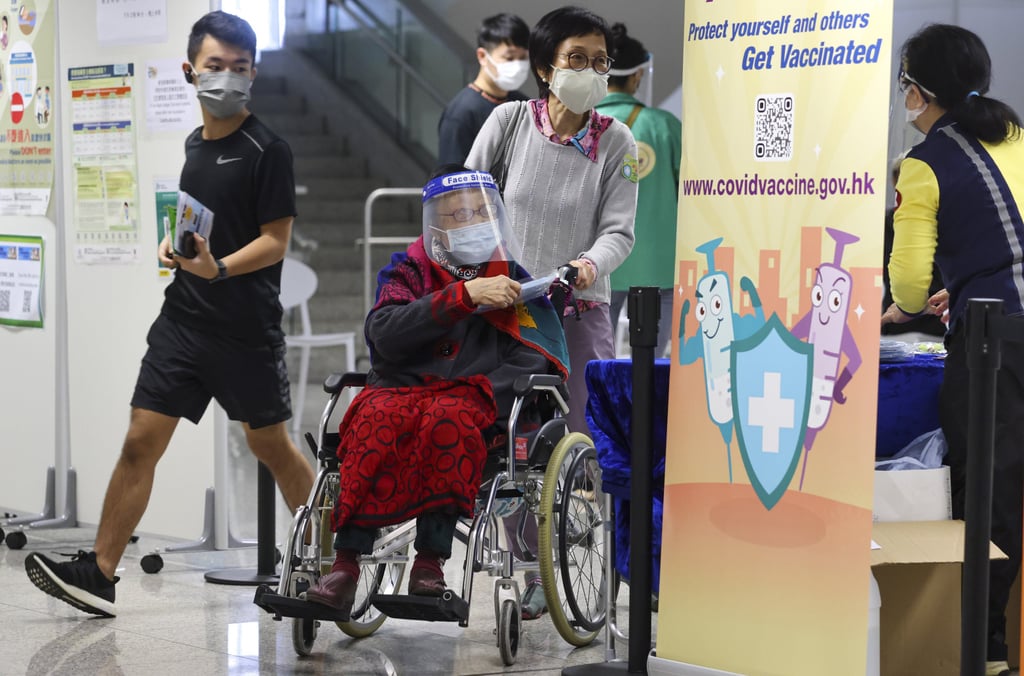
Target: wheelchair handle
561, 289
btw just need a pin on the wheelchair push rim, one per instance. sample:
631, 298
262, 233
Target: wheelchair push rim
572, 560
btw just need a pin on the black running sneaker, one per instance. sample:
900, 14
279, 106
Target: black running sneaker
77, 582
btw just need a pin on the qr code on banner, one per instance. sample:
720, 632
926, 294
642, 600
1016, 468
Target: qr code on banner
773, 127
26, 302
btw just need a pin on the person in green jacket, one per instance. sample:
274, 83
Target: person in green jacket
658, 135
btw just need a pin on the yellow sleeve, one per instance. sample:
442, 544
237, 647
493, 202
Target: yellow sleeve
915, 231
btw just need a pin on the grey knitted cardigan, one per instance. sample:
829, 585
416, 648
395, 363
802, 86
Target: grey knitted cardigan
563, 205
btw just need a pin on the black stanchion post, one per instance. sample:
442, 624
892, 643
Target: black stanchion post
266, 566
644, 310
983, 359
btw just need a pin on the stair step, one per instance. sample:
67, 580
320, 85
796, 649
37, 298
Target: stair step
347, 210
349, 257
343, 235
268, 85
322, 167
290, 126
277, 104
328, 188
318, 145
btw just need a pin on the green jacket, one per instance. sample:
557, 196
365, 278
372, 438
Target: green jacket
659, 139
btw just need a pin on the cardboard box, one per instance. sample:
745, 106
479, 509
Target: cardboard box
918, 574
912, 495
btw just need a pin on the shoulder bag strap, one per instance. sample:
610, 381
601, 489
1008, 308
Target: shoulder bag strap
632, 115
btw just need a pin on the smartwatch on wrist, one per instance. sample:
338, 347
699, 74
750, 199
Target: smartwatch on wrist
222, 271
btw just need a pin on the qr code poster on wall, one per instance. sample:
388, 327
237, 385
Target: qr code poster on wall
773, 127
21, 279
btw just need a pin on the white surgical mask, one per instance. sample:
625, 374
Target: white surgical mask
473, 243
222, 93
510, 74
914, 113
578, 90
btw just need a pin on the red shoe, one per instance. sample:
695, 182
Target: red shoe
334, 590
426, 582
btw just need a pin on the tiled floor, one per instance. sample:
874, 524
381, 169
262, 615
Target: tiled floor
174, 622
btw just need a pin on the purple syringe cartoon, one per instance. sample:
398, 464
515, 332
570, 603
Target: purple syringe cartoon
825, 327
717, 328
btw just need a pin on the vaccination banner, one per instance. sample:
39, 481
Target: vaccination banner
767, 524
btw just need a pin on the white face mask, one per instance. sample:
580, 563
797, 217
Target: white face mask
914, 113
510, 74
578, 90
472, 244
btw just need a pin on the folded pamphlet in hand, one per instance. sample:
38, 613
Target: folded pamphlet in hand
189, 219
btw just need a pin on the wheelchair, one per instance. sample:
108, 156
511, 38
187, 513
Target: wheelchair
544, 473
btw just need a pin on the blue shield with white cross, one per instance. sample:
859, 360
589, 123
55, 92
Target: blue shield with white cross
771, 393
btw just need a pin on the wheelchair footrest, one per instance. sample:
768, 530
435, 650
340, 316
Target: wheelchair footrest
289, 606
448, 608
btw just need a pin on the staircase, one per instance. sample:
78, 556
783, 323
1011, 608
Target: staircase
339, 160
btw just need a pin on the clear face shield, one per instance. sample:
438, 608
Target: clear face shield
903, 135
645, 90
464, 221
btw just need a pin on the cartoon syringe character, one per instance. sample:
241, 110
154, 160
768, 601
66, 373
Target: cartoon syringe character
825, 327
717, 328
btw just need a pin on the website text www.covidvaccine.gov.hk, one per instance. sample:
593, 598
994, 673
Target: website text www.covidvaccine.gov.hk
755, 185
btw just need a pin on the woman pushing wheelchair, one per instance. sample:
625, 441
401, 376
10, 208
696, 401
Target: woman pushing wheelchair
450, 332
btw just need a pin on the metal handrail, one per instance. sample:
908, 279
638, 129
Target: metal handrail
394, 54
368, 240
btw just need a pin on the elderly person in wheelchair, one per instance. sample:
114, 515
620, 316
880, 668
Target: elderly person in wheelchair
448, 335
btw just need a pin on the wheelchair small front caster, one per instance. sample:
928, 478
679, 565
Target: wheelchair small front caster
152, 563
16, 539
304, 631
508, 631
133, 539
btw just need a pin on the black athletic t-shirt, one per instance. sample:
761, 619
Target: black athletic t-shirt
461, 121
246, 179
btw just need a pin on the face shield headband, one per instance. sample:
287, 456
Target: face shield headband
644, 92
464, 220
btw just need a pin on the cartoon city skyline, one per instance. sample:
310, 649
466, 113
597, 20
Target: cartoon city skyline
867, 291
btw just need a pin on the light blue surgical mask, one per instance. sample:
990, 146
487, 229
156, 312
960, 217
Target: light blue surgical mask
473, 243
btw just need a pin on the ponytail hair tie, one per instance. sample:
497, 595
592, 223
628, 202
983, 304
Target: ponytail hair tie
970, 94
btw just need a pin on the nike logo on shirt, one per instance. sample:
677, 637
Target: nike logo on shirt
225, 160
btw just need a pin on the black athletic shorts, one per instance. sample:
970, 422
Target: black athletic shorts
184, 368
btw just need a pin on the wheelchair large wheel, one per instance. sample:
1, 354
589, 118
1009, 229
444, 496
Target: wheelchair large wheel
571, 540
374, 578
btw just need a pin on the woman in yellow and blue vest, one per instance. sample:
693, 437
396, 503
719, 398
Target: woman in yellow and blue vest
958, 202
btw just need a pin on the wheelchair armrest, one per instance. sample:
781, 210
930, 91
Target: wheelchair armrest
336, 382
527, 383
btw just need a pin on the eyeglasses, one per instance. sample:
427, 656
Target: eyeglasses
465, 213
905, 80
579, 61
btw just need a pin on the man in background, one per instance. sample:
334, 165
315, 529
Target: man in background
501, 50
